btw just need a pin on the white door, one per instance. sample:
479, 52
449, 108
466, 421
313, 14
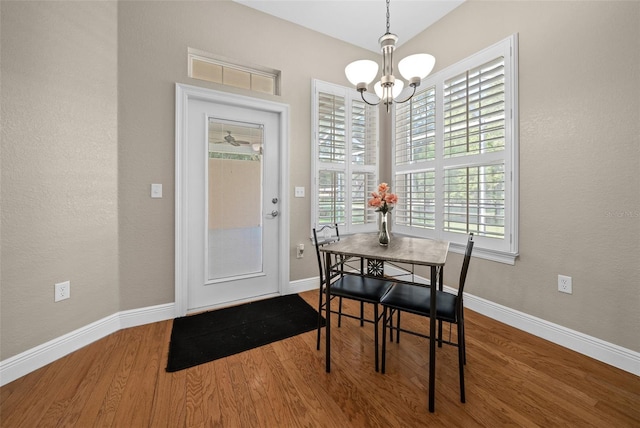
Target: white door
232, 204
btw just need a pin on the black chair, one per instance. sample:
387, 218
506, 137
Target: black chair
416, 299
348, 285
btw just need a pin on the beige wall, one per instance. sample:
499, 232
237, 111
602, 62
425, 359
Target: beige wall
59, 168
579, 158
579, 115
153, 42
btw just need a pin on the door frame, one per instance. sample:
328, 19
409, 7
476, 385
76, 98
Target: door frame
185, 93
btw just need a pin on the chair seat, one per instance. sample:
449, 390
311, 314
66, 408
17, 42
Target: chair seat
417, 300
369, 290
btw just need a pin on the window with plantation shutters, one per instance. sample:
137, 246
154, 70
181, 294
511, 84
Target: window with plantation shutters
345, 158
455, 155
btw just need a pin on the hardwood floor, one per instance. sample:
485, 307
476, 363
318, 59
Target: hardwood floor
512, 379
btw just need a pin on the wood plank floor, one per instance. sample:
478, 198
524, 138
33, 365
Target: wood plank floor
513, 379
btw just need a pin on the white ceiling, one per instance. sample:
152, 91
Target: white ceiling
359, 22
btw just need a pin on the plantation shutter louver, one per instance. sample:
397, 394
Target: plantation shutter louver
331, 128
474, 120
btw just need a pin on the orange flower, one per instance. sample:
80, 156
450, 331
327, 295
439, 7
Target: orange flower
383, 200
391, 198
375, 202
383, 188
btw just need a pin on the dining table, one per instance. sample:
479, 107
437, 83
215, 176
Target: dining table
403, 250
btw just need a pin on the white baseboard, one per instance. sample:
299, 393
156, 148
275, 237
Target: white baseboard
590, 346
302, 285
35, 358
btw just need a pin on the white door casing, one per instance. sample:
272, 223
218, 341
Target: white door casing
194, 106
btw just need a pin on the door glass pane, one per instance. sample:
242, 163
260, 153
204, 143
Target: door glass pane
234, 199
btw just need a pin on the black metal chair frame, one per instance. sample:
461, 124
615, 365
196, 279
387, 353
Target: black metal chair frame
342, 286
389, 308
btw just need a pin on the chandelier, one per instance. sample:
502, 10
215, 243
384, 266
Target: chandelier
413, 68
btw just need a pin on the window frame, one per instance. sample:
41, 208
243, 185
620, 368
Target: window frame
350, 95
503, 250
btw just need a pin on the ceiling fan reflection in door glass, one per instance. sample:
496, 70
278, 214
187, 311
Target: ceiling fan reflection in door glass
234, 138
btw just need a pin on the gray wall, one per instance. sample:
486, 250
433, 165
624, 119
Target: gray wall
59, 168
153, 42
81, 145
123, 102
579, 76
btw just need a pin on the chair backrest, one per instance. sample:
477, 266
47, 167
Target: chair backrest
322, 236
465, 266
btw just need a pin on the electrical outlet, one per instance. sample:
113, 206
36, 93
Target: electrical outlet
62, 291
156, 190
564, 284
300, 251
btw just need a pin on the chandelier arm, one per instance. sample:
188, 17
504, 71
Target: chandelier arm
363, 99
410, 96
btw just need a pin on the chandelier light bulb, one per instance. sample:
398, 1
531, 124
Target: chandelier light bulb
416, 66
396, 89
362, 71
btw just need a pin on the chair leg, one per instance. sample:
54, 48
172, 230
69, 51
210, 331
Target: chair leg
462, 339
375, 334
384, 338
361, 314
461, 358
340, 312
319, 316
398, 326
440, 287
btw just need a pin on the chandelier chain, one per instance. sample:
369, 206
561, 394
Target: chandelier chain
388, 26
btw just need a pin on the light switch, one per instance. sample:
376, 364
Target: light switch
299, 193
156, 190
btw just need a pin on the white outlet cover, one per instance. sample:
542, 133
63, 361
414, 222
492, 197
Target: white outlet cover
62, 291
156, 190
565, 284
299, 192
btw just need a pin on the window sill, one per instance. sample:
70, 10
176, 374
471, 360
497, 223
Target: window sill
485, 253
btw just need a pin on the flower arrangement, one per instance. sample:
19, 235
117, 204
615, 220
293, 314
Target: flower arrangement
383, 200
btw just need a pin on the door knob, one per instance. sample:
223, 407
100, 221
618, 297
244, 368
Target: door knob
274, 213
